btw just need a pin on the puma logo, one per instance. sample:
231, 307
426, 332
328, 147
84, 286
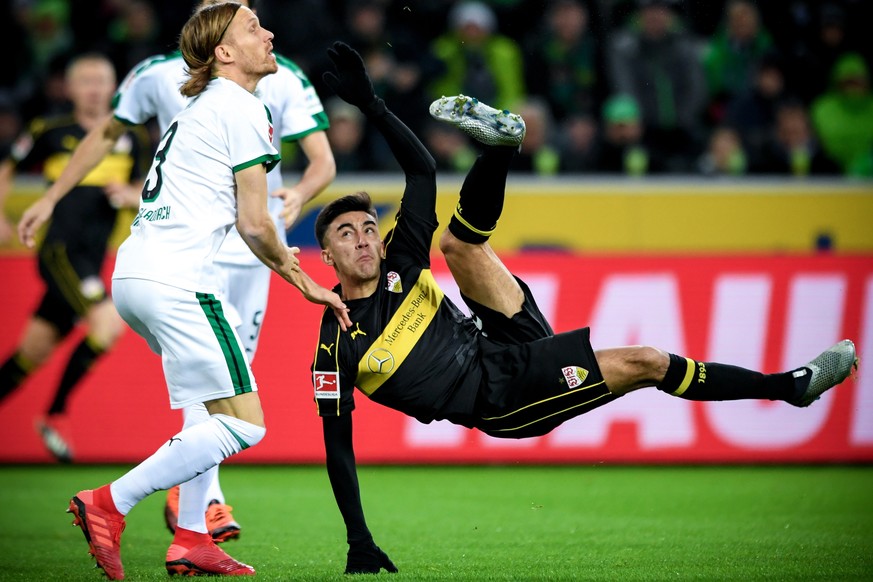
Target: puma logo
327, 348
170, 444
358, 331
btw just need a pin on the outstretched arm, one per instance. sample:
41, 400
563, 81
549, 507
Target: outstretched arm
90, 152
364, 556
257, 230
353, 85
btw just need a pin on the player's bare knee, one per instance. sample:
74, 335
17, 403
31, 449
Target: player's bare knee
105, 331
462, 256
36, 354
451, 246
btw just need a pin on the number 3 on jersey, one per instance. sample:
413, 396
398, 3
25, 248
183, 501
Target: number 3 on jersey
152, 187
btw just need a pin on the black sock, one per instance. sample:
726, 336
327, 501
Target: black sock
694, 380
481, 200
80, 362
12, 374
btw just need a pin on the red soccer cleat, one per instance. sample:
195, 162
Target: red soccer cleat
102, 531
171, 508
205, 558
220, 522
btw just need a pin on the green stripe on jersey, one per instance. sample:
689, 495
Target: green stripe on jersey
143, 65
236, 361
294, 68
321, 124
269, 160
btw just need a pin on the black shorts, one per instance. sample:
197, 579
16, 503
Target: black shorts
73, 285
533, 379
525, 326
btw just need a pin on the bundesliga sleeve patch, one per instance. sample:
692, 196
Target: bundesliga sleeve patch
326, 384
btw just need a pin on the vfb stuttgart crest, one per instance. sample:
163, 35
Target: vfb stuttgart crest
574, 375
394, 282
380, 361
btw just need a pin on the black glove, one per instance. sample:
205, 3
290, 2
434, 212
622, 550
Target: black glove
351, 82
367, 558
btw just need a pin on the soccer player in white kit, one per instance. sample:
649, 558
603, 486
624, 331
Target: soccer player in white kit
209, 173
151, 90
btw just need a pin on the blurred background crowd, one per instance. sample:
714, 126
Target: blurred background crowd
615, 87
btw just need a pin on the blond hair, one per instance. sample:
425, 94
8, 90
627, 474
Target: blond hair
204, 3
90, 57
200, 35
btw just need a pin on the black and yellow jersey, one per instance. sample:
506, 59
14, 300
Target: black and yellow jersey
410, 348
83, 218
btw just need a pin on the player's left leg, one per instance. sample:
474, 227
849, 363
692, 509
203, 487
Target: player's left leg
104, 328
38, 341
246, 289
630, 368
203, 495
480, 274
213, 372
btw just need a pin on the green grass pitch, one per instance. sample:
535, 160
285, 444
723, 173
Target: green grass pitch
486, 523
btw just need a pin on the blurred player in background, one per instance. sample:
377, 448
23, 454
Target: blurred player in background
502, 371
208, 174
72, 254
151, 90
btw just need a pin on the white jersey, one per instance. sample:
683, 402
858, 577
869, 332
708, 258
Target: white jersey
151, 89
297, 111
189, 199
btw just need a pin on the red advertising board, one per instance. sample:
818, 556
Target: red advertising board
763, 312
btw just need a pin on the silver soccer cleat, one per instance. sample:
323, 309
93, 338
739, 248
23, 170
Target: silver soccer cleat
829, 369
481, 122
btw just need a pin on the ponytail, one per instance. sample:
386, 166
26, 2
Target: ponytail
200, 35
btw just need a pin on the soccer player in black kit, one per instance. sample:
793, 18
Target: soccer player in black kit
71, 255
502, 371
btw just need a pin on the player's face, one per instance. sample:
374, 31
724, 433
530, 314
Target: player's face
252, 45
353, 247
90, 84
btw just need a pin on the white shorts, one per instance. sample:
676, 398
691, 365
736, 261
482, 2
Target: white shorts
245, 288
202, 355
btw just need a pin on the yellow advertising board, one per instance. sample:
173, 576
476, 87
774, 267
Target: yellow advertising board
585, 214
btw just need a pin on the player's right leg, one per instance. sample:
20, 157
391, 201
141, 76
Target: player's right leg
212, 370
480, 274
38, 341
101, 512
483, 123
